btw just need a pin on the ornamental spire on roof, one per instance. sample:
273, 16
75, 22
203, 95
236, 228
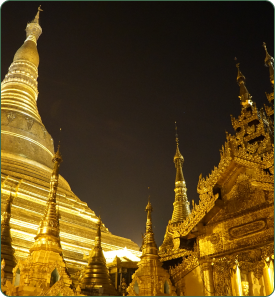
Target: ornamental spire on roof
149, 247
181, 205
48, 232
96, 276
181, 209
7, 251
269, 62
244, 96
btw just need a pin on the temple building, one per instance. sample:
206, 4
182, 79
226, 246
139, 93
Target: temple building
27, 150
225, 246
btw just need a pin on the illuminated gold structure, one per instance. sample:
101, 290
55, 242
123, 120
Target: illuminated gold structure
150, 279
95, 279
224, 246
26, 153
7, 251
181, 205
44, 272
230, 234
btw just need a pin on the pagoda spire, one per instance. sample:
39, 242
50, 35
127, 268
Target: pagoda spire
269, 62
48, 232
19, 88
46, 252
7, 251
244, 96
181, 205
149, 247
150, 276
96, 276
22, 131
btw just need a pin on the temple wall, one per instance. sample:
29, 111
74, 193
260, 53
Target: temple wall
193, 283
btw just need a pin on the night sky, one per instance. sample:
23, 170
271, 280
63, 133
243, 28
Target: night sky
117, 75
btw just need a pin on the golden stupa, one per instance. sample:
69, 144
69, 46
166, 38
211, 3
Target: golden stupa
150, 279
95, 278
27, 150
45, 266
7, 251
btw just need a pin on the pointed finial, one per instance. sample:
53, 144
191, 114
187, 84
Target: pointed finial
244, 96
99, 220
267, 57
58, 157
178, 155
176, 130
36, 19
269, 62
240, 76
148, 194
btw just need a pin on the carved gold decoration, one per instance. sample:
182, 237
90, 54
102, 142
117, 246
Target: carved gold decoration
247, 228
190, 261
207, 201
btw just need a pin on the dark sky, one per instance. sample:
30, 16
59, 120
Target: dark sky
116, 75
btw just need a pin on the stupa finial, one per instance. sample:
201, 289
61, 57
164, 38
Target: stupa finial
269, 62
178, 155
36, 19
244, 96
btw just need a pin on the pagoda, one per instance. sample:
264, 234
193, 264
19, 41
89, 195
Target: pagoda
150, 279
27, 150
181, 209
44, 272
95, 279
7, 251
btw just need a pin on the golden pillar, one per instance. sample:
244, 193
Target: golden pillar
268, 273
207, 270
236, 281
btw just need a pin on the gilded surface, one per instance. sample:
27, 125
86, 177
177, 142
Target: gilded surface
150, 279
26, 153
234, 249
181, 209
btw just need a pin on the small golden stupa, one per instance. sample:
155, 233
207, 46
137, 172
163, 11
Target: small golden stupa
95, 279
44, 272
8, 260
150, 279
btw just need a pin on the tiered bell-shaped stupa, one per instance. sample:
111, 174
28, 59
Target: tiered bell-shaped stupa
96, 279
7, 251
26, 153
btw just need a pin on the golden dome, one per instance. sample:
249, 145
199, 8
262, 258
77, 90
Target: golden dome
28, 51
